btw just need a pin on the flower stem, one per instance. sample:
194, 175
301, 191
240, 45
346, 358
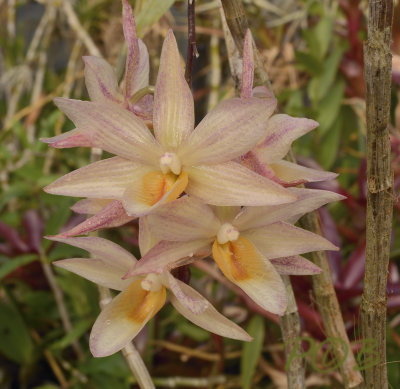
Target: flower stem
192, 49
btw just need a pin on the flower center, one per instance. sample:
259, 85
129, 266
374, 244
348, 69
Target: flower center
227, 233
170, 162
151, 283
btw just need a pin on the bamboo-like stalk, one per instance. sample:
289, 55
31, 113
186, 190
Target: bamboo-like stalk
377, 73
322, 283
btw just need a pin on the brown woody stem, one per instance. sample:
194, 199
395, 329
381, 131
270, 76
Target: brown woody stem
192, 49
377, 73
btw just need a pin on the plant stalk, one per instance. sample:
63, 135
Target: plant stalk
377, 73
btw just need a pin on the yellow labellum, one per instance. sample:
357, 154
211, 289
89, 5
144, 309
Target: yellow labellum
238, 260
142, 304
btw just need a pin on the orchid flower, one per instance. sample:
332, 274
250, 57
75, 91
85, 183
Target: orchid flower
266, 158
150, 171
251, 245
140, 298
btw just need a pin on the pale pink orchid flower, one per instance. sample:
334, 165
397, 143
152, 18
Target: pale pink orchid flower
140, 298
149, 171
266, 158
251, 245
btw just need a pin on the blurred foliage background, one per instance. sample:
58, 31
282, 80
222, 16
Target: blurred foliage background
314, 55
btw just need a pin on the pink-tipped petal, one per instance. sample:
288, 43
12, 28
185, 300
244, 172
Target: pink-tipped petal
289, 172
104, 249
73, 138
166, 255
112, 215
282, 240
122, 319
194, 305
210, 319
106, 179
248, 66
112, 128
100, 79
96, 270
281, 131
184, 219
89, 206
147, 239
230, 130
246, 267
307, 201
230, 183
173, 101
143, 69
133, 55
295, 265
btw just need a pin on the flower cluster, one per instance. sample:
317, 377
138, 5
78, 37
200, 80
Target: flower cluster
221, 189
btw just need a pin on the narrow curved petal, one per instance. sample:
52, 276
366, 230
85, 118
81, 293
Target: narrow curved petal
194, 304
248, 66
143, 69
112, 215
109, 252
210, 319
89, 206
100, 79
96, 270
307, 201
230, 130
133, 56
232, 184
280, 132
295, 265
73, 138
112, 128
283, 240
166, 255
122, 319
184, 219
147, 239
246, 267
152, 190
288, 171
106, 179
173, 118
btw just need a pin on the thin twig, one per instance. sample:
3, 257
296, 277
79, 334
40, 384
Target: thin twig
192, 49
377, 73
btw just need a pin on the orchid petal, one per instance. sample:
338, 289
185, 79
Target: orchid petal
184, 219
281, 131
107, 179
144, 109
248, 66
133, 55
262, 92
89, 206
232, 184
73, 138
194, 305
295, 265
122, 319
288, 171
173, 101
246, 267
143, 69
153, 190
166, 255
225, 214
231, 129
109, 252
96, 270
112, 215
147, 239
100, 79
282, 240
210, 319
307, 201
112, 128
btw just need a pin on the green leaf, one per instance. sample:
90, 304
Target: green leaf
193, 332
323, 33
252, 351
308, 62
15, 342
151, 13
77, 331
14, 263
